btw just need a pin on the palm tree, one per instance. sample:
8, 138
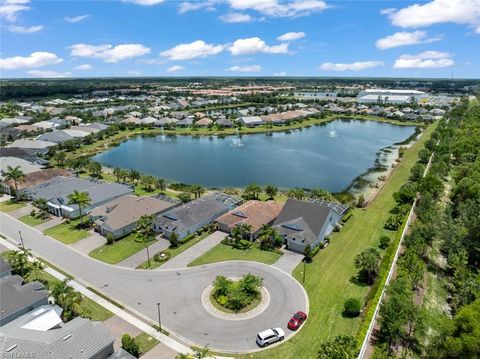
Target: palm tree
161, 185
14, 174
197, 190
60, 158
201, 353
68, 298
266, 236
117, 172
144, 227
367, 262
81, 199
271, 191
134, 175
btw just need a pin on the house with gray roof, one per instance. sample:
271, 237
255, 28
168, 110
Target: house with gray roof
56, 190
119, 217
224, 122
42, 334
186, 122
59, 136
17, 299
250, 121
190, 217
5, 268
303, 223
40, 146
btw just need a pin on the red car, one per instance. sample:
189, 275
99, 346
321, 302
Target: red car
297, 320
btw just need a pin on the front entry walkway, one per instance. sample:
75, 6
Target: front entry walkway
289, 261
192, 253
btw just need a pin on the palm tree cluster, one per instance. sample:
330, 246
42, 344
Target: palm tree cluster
82, 200
68, 298
14, 174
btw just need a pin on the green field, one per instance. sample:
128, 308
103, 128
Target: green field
328, 277
119, 250
222, 252
32, 221
10, 206
67, 233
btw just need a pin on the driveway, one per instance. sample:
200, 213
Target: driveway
86, 245
182, 260
118, 327
178, 291
289, 261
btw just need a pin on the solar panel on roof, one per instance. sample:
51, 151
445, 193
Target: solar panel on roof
240, 214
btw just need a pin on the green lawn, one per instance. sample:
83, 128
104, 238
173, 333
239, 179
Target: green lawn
222, 252
173, 252
328, 277
67, 232
119, 250
145, 342
9, 206
94, 311
32, 221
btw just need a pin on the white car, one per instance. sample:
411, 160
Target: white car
270, 336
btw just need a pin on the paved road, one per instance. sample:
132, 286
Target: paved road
195, 251
178, 291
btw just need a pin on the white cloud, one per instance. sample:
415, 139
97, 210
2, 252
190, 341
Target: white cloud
109, 53
9, 9
144, 2
48, 74
388, 11
355, 66
175, 68
254, 45
290, 36
236, 17
247, 68
24, 29
35, 59
75, 19
187, 6
280, 8
404, 38
424, 60
465, 12
83, 67
281, 74
192, 50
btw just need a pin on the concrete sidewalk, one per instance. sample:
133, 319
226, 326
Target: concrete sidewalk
182, 260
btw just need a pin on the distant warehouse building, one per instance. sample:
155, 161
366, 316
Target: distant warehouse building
192, 216
390, 96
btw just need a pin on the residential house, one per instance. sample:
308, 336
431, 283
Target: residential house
55, 136
250, 121
303, 223
39, 146
41, 333
186, 122
204, 122
188, 218
25, 166
119, 217
34, 178
253, 213
224, 122
17, 298
56, 190
27, 154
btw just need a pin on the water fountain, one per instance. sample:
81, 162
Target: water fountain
332, 133
162, 137
237, 142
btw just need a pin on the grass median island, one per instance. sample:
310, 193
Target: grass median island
328, 278
10, 206
224, 252
119, 250
236, 296
32, 221
67, 232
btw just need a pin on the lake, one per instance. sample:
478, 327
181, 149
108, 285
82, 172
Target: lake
307, 158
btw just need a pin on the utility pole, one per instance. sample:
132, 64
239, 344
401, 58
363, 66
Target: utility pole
148, 257
304, 269
159, 318
21, 239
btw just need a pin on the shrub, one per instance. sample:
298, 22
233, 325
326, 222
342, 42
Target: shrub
384, 242
33, 213
347, 217
393, 222
173, 240
352, 307
130, 345
109, 238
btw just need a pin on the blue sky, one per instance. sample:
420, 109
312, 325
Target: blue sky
240, 38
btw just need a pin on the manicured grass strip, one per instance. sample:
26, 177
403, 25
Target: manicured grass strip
328, 277
93, 290
94, 311
173, 251
67, 233
32, 221
10, 206
119, 250
48, 264
222, 252
146, 342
